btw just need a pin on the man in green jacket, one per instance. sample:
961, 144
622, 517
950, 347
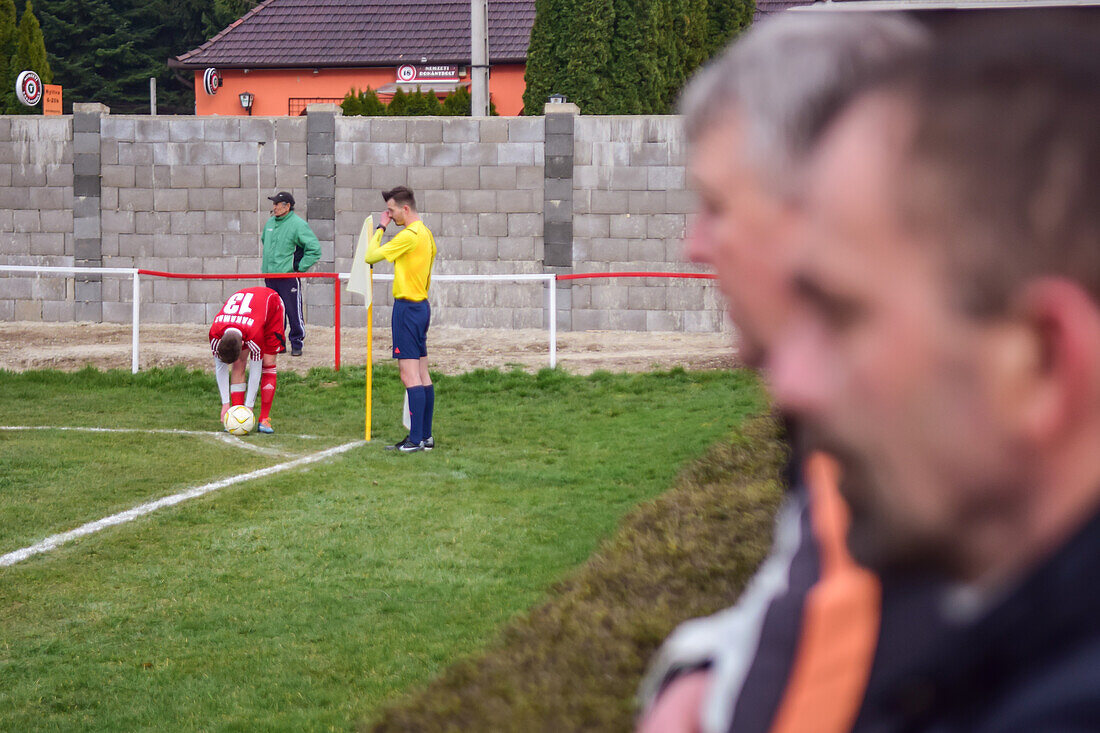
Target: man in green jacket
289, 246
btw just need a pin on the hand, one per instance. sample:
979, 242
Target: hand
385, 219
225, 409
677, 708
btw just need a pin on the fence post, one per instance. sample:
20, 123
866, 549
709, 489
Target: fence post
135, 328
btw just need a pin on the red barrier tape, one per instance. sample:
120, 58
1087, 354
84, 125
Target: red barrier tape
684, 275
274, 275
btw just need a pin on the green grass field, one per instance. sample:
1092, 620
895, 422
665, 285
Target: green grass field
311, 598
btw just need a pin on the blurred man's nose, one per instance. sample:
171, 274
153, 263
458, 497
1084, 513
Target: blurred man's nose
699, 241
796, 371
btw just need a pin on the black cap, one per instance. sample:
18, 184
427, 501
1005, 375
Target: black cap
283, 197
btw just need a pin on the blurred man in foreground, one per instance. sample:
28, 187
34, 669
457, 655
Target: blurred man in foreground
796, 651
943, 341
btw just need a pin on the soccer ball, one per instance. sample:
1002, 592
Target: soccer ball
239, 420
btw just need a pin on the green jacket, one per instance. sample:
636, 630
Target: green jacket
282, 238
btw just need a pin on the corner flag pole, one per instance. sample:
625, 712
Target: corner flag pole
370, 352
362, 282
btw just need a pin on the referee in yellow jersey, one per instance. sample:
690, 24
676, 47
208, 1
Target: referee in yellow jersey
412, 252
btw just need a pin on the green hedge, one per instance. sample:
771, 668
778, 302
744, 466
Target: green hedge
574, 662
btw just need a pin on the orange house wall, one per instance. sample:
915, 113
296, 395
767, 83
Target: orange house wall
275, 87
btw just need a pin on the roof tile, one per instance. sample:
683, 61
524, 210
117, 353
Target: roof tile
324, 33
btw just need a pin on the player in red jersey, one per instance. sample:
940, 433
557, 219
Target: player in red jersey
248, 330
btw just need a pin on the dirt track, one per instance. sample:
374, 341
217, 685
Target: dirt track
70, 346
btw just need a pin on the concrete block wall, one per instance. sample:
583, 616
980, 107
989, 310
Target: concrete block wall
630, 212
36, 215
560, 193
478, 185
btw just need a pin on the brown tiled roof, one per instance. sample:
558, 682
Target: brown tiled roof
765, 8
327, 33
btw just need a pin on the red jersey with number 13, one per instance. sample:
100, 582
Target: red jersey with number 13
258, 314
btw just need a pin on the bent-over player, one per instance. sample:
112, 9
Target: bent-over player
412, 252
248, 330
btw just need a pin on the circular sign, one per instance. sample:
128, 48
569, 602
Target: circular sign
211, 81
406, 72
28, 88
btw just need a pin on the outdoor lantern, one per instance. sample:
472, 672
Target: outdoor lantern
247, 98
557, 99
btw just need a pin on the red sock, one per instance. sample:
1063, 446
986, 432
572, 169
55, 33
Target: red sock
267, 391
236, 393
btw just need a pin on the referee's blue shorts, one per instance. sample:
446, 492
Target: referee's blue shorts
409, 326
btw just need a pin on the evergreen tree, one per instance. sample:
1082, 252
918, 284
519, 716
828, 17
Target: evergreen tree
352, 104
457, 103
423, 104
370, 104
8, 34
221, 13
399, 104
30, 54
569, 52
725, 19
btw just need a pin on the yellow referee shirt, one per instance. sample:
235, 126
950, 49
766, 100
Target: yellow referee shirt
412, 253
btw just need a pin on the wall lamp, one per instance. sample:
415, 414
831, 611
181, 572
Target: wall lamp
247, 98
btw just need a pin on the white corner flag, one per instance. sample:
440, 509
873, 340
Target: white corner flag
358, 280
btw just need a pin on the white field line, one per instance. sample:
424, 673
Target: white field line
141, 510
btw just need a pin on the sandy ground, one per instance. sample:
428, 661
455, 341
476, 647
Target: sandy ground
71, 346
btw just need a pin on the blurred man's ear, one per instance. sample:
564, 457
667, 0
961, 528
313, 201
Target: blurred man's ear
1058, 359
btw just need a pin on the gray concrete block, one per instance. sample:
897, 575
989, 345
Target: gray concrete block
87, 249
152, 222
626, 320
118, 176
372, 153
681, 202
649, 154
116, 128
406, 154
479, 248
590, 320
114, 222
170, 154
86, 186
108, 154
221, 129
460, 130
91, 312
517, 202
320, 122
558, 145
188, 313
492, 225
493, 130
701, 321
204, 291
582, 154
218, 222
666, 178
561, 124
527, 129
529, 177
238, 153
459, 225
321, 165
498, 178
88, 291
194, 245
559, 166
524, 225
385, 177
646, 250
186, 130
169, 291
557, 254
607, 202
186, 176
476, 201
222, 176
290, 129
478, 154
137, 199
287, 178
647, 202
520, 154
665, 226
629, 179
30, 220
86, 142
242, 199
646, 298
84, 164
519, 248
425, 178
388, 130
424, 130
170, 199
204, 153
35, 176
16, 198
135, 153
613, 154
50, 243
258, 129
325, 229
85, 207
84, 122
205, 199
440, 201
321, 208
592, 225
461, 177
321, 187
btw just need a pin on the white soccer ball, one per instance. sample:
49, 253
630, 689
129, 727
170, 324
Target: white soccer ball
239, 420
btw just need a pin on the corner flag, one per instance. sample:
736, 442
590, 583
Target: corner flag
361, 280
